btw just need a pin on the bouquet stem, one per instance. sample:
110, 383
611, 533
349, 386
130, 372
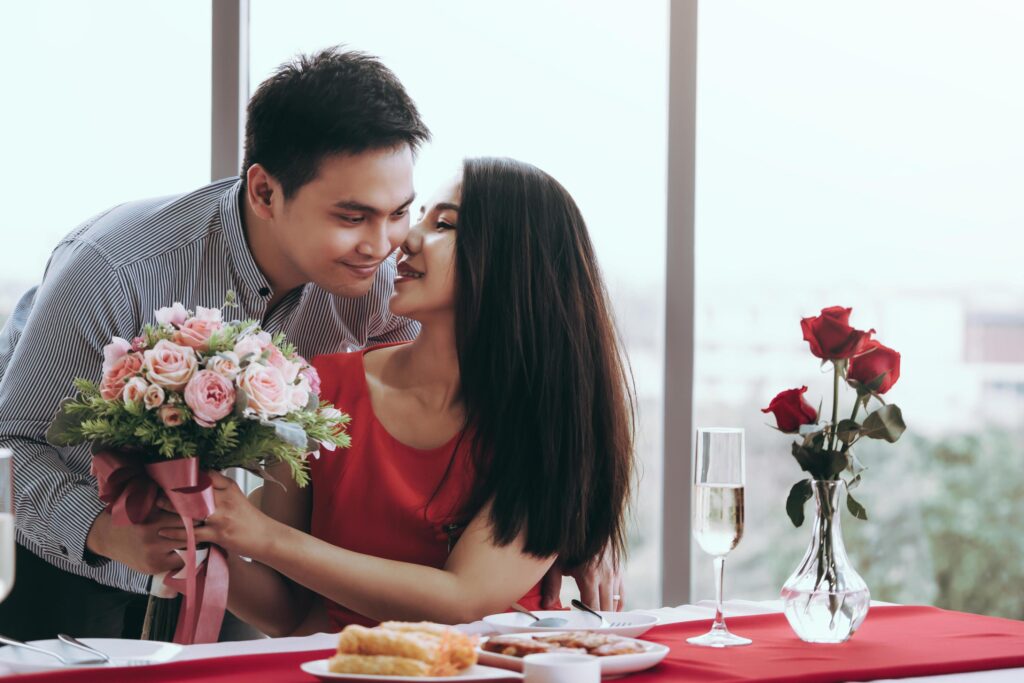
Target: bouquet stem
162, 609
161, 618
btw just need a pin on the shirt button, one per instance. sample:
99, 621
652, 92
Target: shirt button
264, 291
62, 549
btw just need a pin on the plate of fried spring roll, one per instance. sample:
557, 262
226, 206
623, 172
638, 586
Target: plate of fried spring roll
405, 651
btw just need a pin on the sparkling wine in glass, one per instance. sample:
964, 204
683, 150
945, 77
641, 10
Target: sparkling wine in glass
6, 524
718, 479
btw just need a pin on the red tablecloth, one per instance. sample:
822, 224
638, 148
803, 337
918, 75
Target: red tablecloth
894, 642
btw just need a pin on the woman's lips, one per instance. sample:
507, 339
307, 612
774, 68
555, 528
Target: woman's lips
407, 273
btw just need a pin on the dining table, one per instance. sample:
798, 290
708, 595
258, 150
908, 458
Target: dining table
211, 663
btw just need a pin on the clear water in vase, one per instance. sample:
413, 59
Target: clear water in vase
825, 600
811, 616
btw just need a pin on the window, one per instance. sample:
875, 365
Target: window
578, 89
100, 108
880, 173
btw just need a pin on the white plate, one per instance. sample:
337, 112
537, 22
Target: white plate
123, 652
636, 624
319, 669
612, 665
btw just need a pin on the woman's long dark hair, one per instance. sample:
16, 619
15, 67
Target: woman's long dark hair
547, 392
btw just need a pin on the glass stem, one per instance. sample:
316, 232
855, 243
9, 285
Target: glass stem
719, 578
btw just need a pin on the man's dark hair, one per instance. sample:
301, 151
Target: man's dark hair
332, 102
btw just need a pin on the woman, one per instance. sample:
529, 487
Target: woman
498, 440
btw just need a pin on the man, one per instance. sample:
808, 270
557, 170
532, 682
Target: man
305, 238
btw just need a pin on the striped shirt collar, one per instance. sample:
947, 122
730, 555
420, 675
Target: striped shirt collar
246, 272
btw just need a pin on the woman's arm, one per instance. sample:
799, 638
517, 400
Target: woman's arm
257, 594
260, 596
478, 579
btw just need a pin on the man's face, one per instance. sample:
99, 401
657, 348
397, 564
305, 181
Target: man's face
339, 227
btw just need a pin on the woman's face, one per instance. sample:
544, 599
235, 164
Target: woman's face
425, 285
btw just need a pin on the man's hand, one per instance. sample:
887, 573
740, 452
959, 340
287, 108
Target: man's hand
139, 546
600, 584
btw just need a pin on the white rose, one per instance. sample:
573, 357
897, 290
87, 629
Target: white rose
208, 314
171, 315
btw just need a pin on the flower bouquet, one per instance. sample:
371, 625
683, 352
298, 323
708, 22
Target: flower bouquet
192, 393
826, 600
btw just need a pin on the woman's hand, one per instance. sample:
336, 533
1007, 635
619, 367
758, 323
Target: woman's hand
600, 583
236, 525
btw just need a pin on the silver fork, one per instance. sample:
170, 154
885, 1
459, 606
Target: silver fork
75, 642
66, 662
578, 604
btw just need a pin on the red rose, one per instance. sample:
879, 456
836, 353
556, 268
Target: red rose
791, 410
830, 335
874, 360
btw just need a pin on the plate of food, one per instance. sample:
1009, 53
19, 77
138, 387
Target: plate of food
405, 651
617, 654
629, 624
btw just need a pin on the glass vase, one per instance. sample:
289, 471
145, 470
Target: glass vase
825, 599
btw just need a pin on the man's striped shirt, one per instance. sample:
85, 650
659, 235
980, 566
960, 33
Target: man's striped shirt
106, 279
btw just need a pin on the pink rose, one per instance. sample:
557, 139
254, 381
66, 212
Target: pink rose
172, 416
268, 394
252, 344
210, 396
134, 390
170, 365
154, 397
225, 364
312, 378
114, 351
123, 369
171, 315
195, 333
139, 344
289, 370
298, 397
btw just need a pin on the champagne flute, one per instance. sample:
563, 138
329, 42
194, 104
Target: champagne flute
6, 523
718, 479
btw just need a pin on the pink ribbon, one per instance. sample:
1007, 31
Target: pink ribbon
130, 490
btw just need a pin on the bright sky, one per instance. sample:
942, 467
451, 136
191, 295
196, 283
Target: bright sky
872, 143
115, 104
838, 138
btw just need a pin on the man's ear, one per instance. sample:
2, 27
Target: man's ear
261, 191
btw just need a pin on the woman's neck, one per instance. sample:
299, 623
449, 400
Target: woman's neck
429, 366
